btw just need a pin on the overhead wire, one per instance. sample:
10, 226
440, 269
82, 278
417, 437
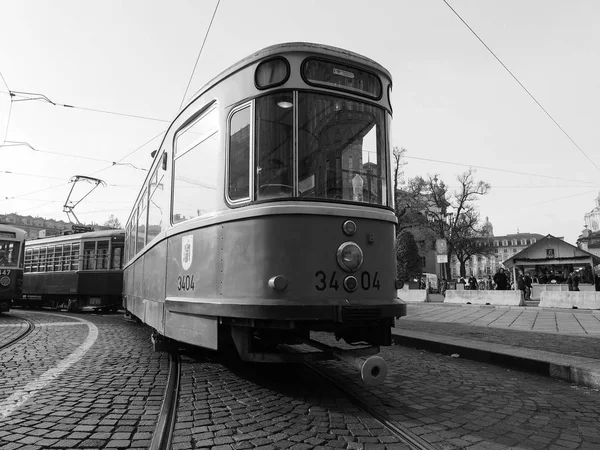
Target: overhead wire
33, 96
9, 108
200, 53
521, 84
500, 170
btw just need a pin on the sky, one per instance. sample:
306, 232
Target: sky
455, 105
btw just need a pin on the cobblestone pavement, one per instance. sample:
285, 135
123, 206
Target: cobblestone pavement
10, 327
571, 322
228, 406
455, 403
104, 395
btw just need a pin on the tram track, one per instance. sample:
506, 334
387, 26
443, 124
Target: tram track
163, 435
20, 337
402, 433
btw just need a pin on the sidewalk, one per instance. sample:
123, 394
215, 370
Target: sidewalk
559, 343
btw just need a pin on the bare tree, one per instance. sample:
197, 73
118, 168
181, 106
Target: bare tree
454, 216
113, 222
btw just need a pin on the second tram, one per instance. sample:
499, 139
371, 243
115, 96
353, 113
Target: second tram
75, 272
12, 242
268, 212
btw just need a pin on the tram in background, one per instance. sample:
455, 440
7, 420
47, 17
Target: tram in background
267, 213
82, 271
12, 242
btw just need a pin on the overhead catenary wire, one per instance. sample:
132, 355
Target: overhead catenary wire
200, 52
523, 86
21, 96
500, 170
9, 108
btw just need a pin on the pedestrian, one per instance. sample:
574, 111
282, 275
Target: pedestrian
575, 280
570, 281
501, 280
528, 282
521, 284
489, 284
443, 286
472, 283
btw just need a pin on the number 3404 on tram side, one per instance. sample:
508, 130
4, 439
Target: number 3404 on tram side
268, 212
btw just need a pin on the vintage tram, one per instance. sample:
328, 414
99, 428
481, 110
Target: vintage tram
12, 242
80, 271
267, 213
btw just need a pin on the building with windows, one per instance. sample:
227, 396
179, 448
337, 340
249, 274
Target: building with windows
36, 227
503, 248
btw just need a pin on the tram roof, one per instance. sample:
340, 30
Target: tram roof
19, 233
321, 49
77, 236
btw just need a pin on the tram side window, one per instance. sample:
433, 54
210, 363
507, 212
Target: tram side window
141, 222
36, 259
102, 255
42, 266
239, 155
58, 258
50, 259
88, 255
274, 146
195, 169
131, 232
66, 257
156, 204
75, 257
116, 259
28, 259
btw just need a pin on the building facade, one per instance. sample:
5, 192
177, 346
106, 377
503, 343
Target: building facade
503, 248
38, 227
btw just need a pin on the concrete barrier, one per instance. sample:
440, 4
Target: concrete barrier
499, 298
413, 295
570, 299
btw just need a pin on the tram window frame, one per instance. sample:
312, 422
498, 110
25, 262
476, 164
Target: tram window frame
28, 260
50, 259
343, 67
207, 121
102, 254
66, 257
156, 192
35, 259
276, 83
141, 229
75, 256
249, 107
89, 258
116, 256
42, 263
58, 250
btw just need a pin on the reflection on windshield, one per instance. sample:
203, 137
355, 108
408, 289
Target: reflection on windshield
274, 144
9, 253
341, 154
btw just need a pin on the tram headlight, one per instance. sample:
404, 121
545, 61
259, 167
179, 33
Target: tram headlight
4, 281
349, 256
349, 227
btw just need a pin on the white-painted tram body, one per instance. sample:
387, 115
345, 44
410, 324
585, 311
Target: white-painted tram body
268, 211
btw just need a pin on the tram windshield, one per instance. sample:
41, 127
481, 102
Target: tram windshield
9, 253
341, 148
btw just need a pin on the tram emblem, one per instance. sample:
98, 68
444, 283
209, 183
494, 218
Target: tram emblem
187, 251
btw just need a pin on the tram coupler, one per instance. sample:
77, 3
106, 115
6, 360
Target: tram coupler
372, 368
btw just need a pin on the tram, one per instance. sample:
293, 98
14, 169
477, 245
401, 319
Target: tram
11, 265
76, 272
267, 213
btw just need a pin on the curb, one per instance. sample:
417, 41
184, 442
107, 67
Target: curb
574, 369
